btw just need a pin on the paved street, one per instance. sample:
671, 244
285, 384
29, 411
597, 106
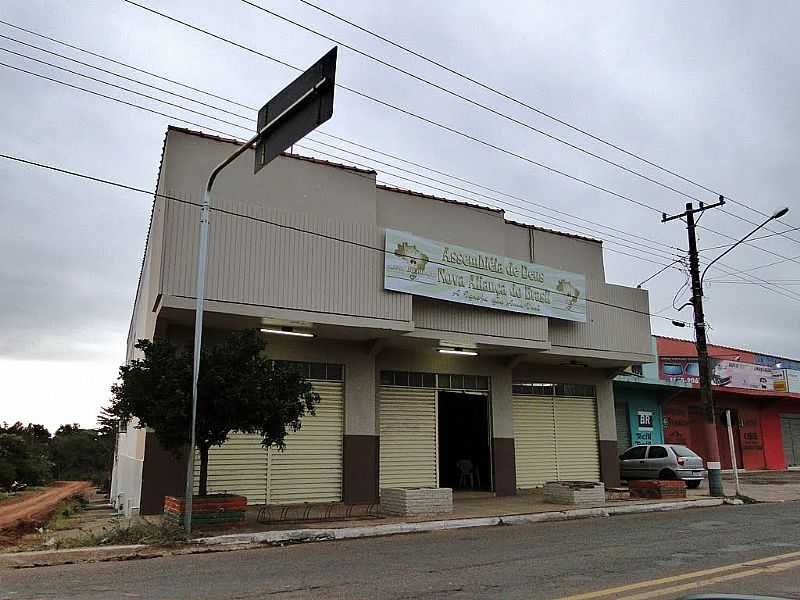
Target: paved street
534, 561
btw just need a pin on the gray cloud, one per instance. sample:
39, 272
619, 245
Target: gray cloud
708, 89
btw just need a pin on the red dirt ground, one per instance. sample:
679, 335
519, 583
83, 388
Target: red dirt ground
29, 511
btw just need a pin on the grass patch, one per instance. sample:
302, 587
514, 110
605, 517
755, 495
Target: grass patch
141, 531
65, 511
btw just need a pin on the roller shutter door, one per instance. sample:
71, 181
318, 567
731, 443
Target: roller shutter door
555, 438
534, 440
237, 467
409, 445
790, 428
623, 428
310, 468
576, 439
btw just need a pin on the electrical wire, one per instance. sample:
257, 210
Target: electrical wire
427, 120
278, 225
224, 133
516, 208
534, 109
229, 100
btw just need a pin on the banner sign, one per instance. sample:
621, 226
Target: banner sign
729, 373
793, 380
423, 267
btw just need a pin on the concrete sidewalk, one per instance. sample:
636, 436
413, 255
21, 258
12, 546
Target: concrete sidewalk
763, 486
316, 531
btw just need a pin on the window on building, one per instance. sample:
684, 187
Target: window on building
657, 452
572, 390
635, 453
443, 381
313, 370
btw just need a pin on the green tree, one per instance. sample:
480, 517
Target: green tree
239, 389
81, 454
24, 454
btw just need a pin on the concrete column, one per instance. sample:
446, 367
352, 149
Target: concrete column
361, 455
607, 430
503, 453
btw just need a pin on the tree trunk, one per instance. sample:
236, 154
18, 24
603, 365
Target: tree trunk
203, 486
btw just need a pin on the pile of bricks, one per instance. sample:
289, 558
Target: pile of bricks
657, 489
208, 510
416, 501
574, 492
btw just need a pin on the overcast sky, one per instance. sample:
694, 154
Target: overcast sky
708, 90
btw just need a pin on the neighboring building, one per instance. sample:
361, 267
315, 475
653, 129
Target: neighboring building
386, 280
763, 397
639, 397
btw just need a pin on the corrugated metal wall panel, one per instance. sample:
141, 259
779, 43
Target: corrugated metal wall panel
608, 328
310, 468
576, 439
448, 316
555, 438
409, 445
534, 440
247, 257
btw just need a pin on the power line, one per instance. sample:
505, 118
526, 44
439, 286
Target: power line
115, 74
227, 134
517, 208
280, 225
513, 207
530, 107
428, 120
119, 62
112, 98
231, 101
467, 99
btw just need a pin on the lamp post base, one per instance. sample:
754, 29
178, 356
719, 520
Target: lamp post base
715, 480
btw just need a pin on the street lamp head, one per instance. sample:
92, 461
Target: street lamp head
780, 212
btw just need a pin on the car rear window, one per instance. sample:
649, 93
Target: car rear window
684, 451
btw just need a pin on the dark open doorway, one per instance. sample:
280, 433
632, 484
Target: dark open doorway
464, 454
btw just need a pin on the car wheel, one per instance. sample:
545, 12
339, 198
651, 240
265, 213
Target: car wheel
693, 485
667, 475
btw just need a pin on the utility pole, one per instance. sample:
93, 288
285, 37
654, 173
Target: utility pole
712, 460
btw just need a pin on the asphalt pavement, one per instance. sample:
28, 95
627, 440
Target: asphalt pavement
753, 548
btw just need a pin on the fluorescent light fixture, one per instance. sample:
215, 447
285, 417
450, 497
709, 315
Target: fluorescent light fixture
457, 351
288, 331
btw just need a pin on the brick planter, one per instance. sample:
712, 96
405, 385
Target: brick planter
658, 489
574, 492
207, 510
416, 501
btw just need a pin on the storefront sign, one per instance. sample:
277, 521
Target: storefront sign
793, 380
645, 420
423, 267
679, 369
729, 373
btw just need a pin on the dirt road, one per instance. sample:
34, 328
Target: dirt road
37, 507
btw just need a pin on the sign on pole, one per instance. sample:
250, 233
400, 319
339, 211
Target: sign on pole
296, 110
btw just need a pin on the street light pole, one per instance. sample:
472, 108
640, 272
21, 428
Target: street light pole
202, 261
701, 341
298, 109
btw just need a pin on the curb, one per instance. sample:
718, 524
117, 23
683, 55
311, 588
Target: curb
315, 535
237, 541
